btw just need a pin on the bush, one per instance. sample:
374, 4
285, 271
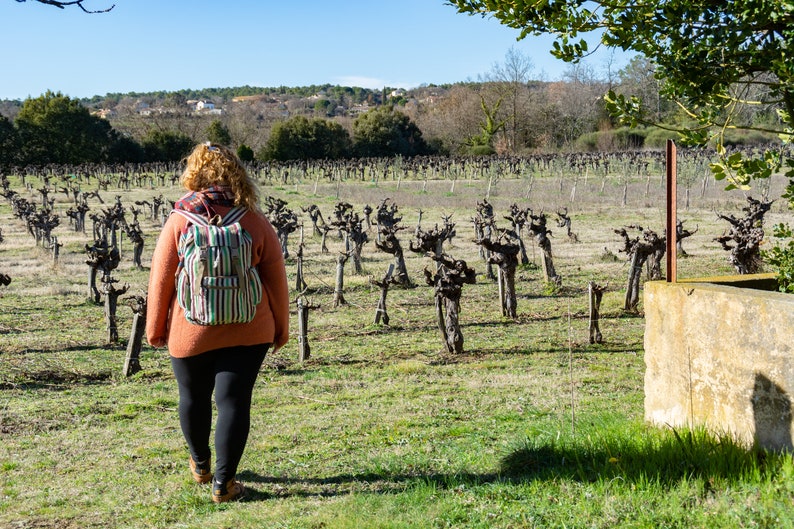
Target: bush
587, 142
166, 145
300, 138
629, 139
479, 150
749, 138
657, 138
622, 139
386, 132
245, 153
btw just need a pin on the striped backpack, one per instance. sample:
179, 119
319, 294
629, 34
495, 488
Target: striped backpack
215, 282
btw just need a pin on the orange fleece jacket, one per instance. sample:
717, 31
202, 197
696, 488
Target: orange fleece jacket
165, 320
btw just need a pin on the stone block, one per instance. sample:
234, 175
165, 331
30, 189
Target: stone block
720, 355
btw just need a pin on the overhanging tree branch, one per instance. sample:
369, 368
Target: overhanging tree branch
78, 3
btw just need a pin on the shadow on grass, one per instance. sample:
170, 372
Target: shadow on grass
54, 380
561, 349
665, 460
364, 483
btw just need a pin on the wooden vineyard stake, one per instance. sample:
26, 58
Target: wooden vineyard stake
339, 297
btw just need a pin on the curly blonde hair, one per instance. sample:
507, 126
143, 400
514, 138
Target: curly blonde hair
211, 164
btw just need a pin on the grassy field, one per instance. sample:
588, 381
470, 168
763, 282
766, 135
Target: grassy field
531, 426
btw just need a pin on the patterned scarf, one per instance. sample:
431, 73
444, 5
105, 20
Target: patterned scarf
201, 202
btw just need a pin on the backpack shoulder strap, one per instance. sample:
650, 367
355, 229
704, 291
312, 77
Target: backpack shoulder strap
195, 218
234, 215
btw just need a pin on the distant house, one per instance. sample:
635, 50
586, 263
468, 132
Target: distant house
359, 109
153, 111
105, 113
205, 107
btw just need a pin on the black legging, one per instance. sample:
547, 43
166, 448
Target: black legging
231, 372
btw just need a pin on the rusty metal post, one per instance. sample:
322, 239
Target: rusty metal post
671, 212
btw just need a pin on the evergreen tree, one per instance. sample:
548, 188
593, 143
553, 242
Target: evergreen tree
9, 143
166, 145
300, 138
245, 153
218, 133
386, 132
54, 128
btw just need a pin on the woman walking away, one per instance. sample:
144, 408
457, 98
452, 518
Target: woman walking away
218, 298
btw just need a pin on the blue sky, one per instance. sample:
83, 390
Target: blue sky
148, 45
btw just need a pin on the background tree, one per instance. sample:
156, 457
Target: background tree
638, 78
175, 101
218, 133
126, 149
300, 138
166, 145
453, 119
245, 153
387, 132
491, 124
579, 103
323, 107
510, 80
9, 143
54, 128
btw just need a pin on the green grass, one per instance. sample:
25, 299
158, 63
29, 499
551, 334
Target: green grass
531, 426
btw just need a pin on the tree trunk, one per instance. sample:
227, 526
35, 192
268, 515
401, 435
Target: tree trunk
137, 254
509, 303
380, 312
522, 250
454, 336
501, 282
339, 298
111, 303
547, 261
595, 294
282, 237
93, 292
357, 258
402, 276
633, 286
441, 321
132, 362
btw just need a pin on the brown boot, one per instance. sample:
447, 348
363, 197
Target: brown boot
201, 472
232, 490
